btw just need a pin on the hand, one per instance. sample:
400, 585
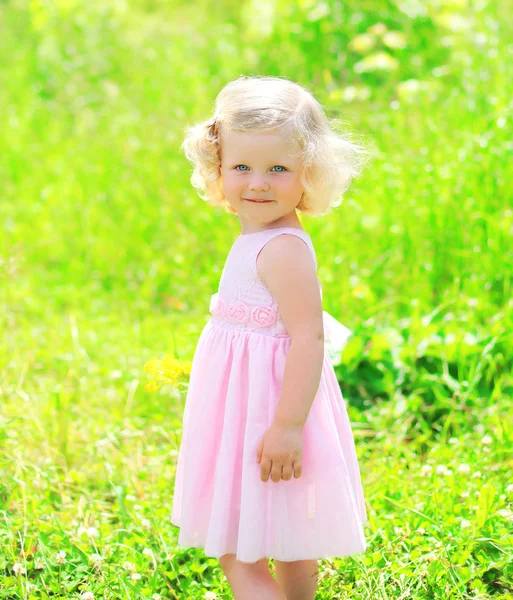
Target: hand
280, 452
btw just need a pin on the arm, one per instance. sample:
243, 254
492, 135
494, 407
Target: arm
285, 265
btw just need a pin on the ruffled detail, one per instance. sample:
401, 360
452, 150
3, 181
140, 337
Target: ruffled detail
241, 312
259, 316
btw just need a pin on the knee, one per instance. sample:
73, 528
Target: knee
297, 573
298, 565
228, 562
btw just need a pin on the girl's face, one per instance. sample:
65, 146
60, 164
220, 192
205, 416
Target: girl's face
261, 166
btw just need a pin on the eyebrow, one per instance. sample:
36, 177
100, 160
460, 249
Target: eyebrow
285, 163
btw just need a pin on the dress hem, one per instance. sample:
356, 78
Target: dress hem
340, 555
326, 556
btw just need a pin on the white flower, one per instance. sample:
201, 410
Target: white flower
426, 469
442, 470
464, 468
156, 597
146, 523
464, 523
130, 498
38, 564
506, 514
509, 489
210, 596
136, 576
147, 552
476, 475
326, 573
60, 557
19, 569
96, 559
91, 532
128, 565
87, 596
486, 440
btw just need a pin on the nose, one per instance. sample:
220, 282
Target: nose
258, 183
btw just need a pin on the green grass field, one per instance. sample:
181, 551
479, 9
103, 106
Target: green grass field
108, 259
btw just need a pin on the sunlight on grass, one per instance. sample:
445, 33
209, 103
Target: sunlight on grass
108, 260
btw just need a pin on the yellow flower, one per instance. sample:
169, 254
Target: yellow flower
167, 370
171, 366
152, 386
151, 366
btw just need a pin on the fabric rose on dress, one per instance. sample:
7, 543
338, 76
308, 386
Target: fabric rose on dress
239, 312
219, 309
263, 316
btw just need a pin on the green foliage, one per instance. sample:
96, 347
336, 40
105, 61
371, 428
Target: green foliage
107, 258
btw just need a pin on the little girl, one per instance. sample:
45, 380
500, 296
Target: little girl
267, 465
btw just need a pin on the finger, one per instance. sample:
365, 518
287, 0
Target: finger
297, 470
259, 452
286, 472
276, 472
265, 469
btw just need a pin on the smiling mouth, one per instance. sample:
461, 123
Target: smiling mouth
257, 200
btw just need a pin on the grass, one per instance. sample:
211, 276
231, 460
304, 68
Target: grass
108, 259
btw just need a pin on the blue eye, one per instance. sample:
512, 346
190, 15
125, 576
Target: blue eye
279, 167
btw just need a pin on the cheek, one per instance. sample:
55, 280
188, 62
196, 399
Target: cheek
231, 183
290, 185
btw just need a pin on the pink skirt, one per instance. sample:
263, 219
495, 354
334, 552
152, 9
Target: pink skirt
220, 503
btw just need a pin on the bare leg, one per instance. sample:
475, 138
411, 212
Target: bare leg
298, 579
250, 581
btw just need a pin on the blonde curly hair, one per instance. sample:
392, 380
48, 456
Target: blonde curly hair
259, 103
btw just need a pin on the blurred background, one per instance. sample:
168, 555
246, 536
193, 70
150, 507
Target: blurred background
108, 259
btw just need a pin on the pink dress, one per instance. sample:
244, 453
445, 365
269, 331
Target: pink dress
220, 503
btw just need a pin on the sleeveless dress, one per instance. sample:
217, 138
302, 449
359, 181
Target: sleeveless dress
220, 503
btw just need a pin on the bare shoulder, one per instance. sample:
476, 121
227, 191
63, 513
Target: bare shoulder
284, 250
286, 266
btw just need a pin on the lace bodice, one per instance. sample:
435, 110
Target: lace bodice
243, 301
